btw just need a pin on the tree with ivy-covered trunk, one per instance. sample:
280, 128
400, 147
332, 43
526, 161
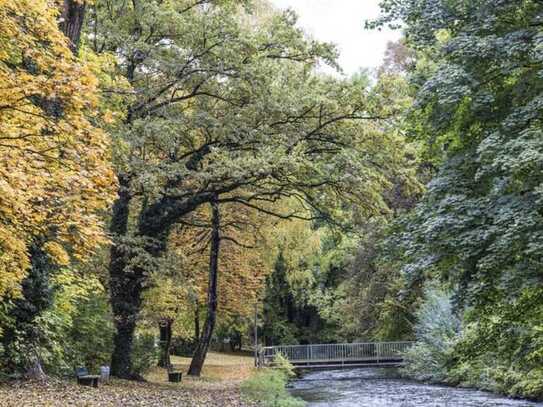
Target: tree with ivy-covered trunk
226, 105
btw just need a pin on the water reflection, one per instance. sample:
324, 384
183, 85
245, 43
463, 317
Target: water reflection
382, 388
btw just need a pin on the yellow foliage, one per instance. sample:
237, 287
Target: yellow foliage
164, 300
57, 253
74, 288
55, 175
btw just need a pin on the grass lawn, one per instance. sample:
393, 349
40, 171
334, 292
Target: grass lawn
218, 386
222, 366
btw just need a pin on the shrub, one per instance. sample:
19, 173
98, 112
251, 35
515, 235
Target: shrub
437, 330
145, 353
183, 346
268, 386
282, 364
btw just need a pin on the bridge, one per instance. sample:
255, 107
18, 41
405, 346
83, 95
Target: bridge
337, 355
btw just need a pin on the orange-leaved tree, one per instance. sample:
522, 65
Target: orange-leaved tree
226, 292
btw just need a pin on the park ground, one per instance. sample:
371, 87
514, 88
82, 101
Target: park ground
219, 386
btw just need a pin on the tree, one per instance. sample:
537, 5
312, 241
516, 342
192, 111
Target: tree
180, 286
478, 113
55, 175
238, 266
309, 264
278, 307
226, 111
399, 59
480, 211
214, 253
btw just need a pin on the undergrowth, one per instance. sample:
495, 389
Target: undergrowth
268, 386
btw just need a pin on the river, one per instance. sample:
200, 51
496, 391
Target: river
381, 388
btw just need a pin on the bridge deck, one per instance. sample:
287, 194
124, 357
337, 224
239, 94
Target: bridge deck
376, 354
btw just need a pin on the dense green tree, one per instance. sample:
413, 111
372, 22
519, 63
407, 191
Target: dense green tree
479, 228
226, 107
23, 336
278, 307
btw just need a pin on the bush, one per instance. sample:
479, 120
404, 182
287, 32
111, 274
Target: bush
282, 364
268, 386
501, 348
183, 347
437, 331
145, 353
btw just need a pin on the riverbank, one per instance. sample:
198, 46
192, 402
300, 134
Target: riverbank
268, 388
219, 386
482, 381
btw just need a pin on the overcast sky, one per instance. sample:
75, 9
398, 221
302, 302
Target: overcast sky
342, 22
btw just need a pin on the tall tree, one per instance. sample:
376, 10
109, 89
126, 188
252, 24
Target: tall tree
229, 289
54, 167
478, 113
226, 110
278, 306
212, 302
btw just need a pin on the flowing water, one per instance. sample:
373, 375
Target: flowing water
383, 388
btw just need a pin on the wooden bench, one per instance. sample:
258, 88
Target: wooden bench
175, 372
85, 379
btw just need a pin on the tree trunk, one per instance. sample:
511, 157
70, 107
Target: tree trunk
124, 287
197, 322
35, 370
165, 343
121, 362
203, 345
73, 15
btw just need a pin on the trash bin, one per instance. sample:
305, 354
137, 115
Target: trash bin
104, 373
174, 377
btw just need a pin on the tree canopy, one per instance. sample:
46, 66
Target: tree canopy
234, 113
169, 168
56, 173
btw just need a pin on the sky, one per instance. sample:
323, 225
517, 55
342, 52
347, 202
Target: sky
342, 22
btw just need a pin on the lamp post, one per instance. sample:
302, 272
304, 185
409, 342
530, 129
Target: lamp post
256, 333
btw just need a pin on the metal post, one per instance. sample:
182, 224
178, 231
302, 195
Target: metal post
256, 333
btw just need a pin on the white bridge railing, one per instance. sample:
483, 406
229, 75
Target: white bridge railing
340, 353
